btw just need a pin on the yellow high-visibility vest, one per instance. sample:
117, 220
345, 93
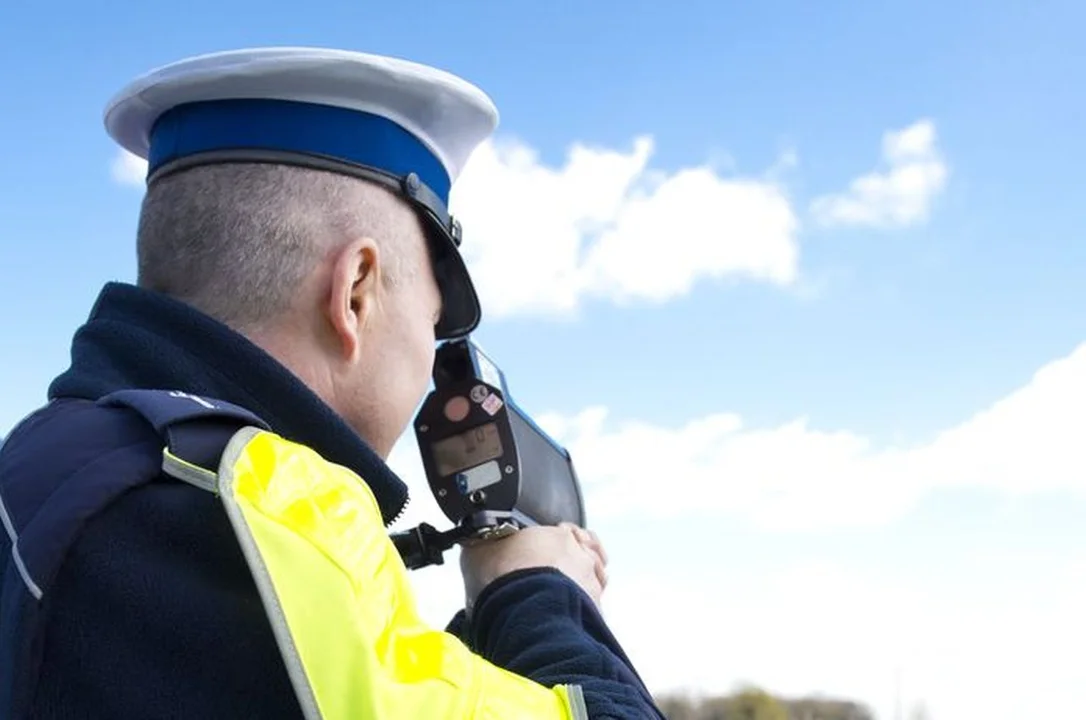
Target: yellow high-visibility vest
339, 600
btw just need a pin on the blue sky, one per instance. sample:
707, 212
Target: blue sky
715, 290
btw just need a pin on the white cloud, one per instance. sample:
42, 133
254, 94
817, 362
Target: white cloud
798, 477
603, 225
128, 169
897, 195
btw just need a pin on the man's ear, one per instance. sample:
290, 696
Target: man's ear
355, 293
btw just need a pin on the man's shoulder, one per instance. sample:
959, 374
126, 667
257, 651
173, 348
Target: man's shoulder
61, 466
74, 437
72, 430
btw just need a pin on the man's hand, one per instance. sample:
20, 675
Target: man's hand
574, 551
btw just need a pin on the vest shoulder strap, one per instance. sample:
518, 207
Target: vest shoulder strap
195, 430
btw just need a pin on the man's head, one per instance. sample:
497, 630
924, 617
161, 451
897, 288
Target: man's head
291, 195
330, 274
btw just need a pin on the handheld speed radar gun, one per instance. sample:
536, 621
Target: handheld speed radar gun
491, 469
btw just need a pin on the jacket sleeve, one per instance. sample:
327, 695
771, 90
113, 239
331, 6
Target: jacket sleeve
538, 623
154, 614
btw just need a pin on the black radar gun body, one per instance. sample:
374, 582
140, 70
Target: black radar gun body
491, 469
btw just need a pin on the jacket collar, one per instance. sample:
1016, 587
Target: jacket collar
136, 338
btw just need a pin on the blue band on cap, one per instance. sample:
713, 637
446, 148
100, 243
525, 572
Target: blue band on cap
341, 133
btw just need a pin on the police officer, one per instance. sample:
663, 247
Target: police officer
196, 521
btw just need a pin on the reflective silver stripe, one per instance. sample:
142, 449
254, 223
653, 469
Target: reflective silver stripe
577, 707
177, 468
19, 564
9, 526
274, 611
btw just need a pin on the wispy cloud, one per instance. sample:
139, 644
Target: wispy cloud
898, 194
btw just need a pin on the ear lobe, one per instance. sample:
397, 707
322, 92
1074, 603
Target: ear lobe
353, 299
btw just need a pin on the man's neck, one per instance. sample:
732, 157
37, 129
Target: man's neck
139, 339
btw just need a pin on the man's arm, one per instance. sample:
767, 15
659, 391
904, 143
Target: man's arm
533, 597
542, 625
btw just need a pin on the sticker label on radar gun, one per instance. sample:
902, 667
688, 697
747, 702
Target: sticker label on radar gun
492, 404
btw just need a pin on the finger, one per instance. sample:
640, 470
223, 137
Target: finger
592, 541
582, 536
599, 567
597, 544
578, 531
601, 575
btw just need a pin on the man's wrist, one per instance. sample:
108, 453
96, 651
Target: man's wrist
495, 586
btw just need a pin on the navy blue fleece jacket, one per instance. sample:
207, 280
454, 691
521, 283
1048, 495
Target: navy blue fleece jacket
153, 613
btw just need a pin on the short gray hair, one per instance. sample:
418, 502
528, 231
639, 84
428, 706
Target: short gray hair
235, 240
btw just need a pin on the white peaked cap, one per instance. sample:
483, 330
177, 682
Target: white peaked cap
445, 112
409, 126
